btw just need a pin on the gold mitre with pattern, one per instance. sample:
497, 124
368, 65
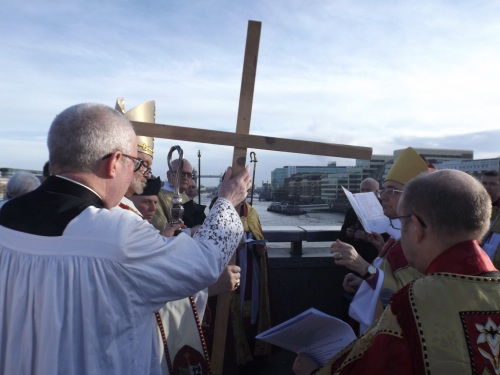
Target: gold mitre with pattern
408, 165
146, 112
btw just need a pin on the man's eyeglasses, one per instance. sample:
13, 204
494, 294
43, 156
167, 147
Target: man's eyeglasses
138, 163
397, 224
389, 192
146, 171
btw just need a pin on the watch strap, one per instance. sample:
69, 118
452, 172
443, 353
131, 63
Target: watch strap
368, 273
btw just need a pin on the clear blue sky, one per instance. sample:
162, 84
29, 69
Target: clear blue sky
378, 73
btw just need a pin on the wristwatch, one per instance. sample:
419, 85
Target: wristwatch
372, 270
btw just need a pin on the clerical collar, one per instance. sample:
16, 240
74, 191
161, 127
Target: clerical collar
79, 183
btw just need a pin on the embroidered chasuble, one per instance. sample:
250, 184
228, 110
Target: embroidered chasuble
182, 326
397, 272
447, 322
394, 273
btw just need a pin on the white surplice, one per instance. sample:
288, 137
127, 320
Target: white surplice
364, 304
81, 303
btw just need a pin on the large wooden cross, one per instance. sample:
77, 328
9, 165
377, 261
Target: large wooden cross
241, 140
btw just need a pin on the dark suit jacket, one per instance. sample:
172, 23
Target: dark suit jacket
47, 210
365, 249
194, 214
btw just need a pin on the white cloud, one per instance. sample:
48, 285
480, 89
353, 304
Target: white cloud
380, 74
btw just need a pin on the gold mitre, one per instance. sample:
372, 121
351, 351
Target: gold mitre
408, 165
146, 112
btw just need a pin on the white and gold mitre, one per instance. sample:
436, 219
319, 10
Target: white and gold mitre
146, 112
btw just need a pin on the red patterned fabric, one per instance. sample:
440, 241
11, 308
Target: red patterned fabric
466, 258
485, 337
385, 351
396, 258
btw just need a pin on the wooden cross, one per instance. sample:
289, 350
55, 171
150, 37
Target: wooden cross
241, 140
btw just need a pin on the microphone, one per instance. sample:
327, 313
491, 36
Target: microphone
385, 296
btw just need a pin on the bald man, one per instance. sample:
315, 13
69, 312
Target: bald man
445, 322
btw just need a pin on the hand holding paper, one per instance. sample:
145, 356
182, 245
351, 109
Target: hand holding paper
312, 332
369, 211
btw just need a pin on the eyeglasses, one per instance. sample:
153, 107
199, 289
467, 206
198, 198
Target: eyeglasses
395, 225
138, 163
389, 192
146, 171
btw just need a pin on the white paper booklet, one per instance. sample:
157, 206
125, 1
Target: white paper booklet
369, 211
313, 332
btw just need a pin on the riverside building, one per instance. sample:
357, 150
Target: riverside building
315, 184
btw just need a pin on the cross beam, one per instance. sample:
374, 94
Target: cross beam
258, 142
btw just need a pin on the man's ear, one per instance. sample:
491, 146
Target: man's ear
111, 166
419, 230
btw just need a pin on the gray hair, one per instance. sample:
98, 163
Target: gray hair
452, 203
372, 182
21, 183
83, 134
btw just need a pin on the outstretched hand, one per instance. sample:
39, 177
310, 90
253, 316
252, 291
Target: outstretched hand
235, 189
347, 256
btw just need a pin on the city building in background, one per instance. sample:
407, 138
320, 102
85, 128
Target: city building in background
279, 175
315, 185
323, 184
473, 167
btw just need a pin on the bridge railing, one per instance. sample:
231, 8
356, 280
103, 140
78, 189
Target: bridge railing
297, 235
305, 275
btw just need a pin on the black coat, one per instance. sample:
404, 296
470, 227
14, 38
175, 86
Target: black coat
47, 210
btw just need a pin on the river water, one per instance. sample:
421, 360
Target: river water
312, 218
319, 218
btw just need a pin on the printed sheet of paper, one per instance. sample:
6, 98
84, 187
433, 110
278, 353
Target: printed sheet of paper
313, 332
369, 211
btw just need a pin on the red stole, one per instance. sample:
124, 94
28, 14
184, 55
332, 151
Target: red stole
393, 252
